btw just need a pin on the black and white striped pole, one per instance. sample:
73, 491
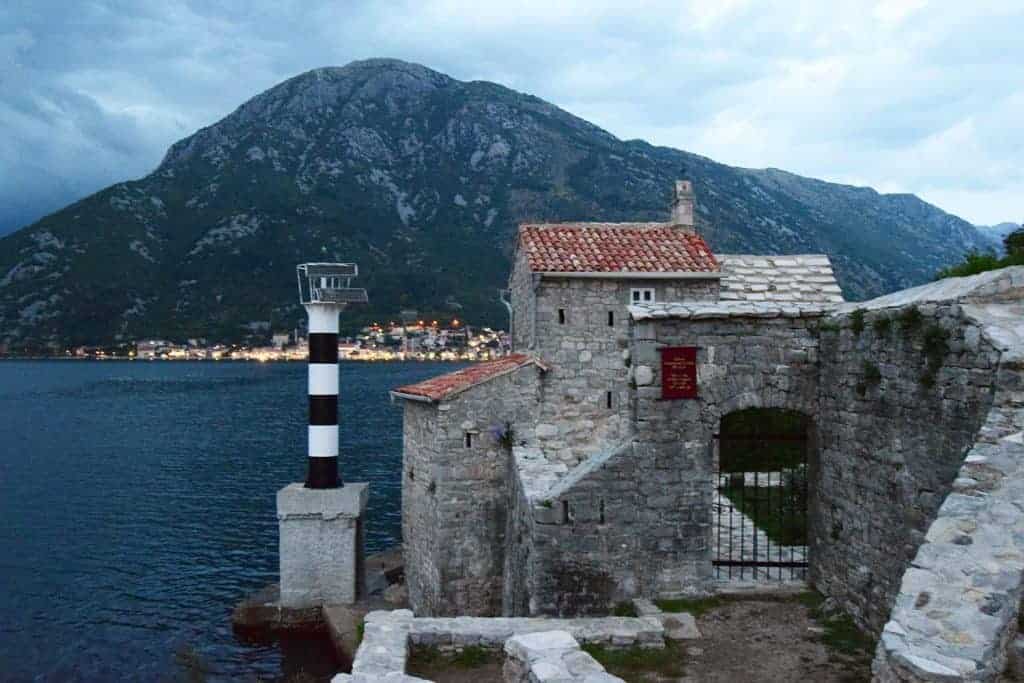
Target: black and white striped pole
324, 290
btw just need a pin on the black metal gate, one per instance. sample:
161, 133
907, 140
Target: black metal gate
760, 499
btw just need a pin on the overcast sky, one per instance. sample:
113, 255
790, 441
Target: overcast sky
902, 95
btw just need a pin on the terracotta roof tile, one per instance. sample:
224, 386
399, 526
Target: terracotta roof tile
445, 386
614, 248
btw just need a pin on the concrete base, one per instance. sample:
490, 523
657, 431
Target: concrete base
321, 544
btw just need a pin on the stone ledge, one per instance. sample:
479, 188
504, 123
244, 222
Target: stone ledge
295, 500
456, 632
551, 656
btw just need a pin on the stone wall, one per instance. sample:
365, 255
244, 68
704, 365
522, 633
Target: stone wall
524, 304
635, 520
747, 357
586, 358
454, 497
904, 390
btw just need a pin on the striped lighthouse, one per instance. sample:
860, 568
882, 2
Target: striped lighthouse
324, 291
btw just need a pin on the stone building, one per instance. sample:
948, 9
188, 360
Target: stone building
570, 476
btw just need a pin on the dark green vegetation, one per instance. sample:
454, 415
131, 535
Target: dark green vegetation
638, 664
779, 511
743, 448
978, 262
421, 179
857, 321
841, 634
767, 440
624, 609
472, 663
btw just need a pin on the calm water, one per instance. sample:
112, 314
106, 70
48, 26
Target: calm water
138, 507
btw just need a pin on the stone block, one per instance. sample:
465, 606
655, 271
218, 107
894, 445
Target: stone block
320, 544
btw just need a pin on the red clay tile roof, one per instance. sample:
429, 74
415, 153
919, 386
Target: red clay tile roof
614, 248
445, 386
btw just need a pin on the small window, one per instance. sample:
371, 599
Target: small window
469, 439
608, 400
602, 511
561, 316
642, 295
566, 514
611, 318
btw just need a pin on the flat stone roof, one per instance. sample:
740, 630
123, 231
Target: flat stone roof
797, 278
696, 310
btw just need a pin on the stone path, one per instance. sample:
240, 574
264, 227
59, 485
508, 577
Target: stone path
551, 656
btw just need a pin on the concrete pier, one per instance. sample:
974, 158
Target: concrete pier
321, 544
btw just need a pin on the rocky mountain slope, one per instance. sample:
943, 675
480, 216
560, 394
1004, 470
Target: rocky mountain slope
421, 179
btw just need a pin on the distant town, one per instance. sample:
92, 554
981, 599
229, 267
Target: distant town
419, 340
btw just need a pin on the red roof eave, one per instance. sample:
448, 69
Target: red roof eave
445, 386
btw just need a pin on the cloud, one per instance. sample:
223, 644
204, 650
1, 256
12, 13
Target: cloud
904, 95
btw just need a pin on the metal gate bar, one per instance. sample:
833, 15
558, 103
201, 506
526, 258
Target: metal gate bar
761, 516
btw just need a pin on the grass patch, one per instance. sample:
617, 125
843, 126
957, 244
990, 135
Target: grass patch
695, 606
360, 632
635, 664
841, 633
429, 659
624, 609
779, 511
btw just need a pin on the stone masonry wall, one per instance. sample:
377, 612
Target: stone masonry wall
635, 520
586, 357
454, 497
524, 304
904, 391
958, 609
742, 362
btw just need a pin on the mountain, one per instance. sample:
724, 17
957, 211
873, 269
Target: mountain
421, 180
996, 233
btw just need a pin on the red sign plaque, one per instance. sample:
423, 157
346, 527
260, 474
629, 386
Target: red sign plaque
678, 372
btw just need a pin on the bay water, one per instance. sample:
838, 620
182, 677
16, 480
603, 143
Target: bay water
137, 506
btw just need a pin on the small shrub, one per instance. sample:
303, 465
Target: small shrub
872, 375
625, 609
828, 326
936, 345
910, 318
857, 321
882, 325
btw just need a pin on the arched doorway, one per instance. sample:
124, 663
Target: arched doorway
759, 515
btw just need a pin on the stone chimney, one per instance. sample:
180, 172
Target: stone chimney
682, 206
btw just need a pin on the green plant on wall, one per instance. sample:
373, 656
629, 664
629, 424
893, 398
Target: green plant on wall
882, 326
910, 318
936, 344
857, 321
872, 375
